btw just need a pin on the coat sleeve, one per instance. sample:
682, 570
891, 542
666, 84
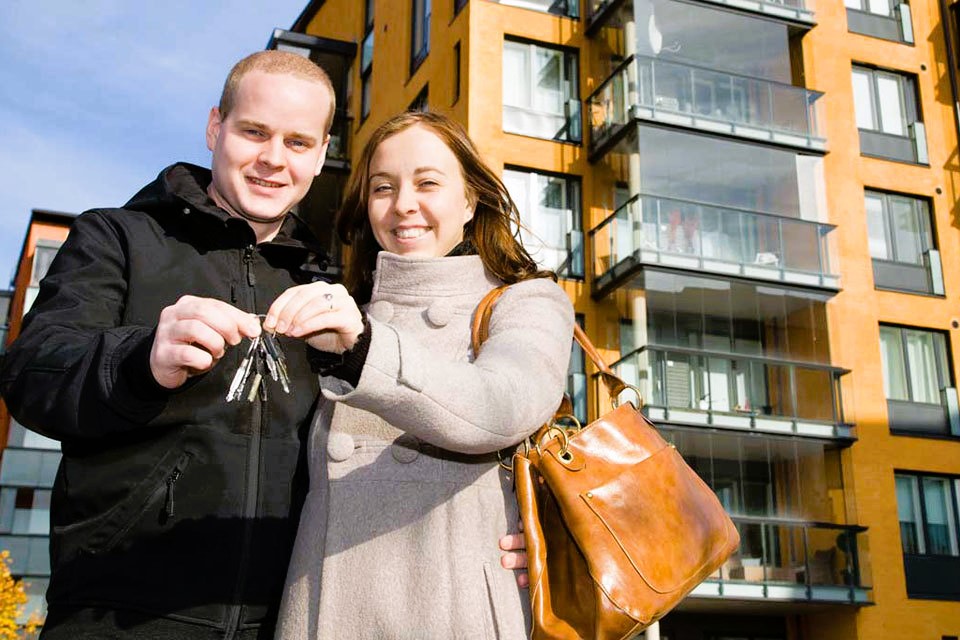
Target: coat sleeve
504, 395
74, 371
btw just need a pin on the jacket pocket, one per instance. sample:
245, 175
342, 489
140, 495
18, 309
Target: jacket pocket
154, 493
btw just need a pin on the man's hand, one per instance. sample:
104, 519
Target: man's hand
516, 558
323, 314
192, 335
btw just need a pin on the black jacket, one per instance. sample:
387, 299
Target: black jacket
171, 503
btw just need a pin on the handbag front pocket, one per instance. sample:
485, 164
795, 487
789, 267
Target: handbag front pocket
103, 532
664, 519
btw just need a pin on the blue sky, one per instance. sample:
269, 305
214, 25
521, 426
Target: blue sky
98, 96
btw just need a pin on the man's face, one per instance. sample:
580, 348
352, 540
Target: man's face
268, 149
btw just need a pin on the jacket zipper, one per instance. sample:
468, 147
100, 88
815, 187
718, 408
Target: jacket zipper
252, 488
171, 480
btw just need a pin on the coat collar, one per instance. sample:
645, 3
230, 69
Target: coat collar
447, 276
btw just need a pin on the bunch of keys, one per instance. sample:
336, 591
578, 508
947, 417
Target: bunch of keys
264, 357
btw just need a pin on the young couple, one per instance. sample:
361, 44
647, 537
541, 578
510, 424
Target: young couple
367, 502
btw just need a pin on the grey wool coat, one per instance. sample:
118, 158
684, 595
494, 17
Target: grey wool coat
398, 537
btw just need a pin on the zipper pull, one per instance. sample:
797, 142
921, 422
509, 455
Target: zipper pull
168, 503
248, 260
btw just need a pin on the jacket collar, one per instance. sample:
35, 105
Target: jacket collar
181, 189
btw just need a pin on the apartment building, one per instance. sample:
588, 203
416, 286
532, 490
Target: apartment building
753, 206
29, 460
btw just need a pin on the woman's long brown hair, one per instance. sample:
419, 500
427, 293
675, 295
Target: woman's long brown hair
493, 230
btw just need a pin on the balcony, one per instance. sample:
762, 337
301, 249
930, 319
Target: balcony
926, 418
702, 99
911, 147
925, 278
567, 8
897, 26
336, 58
651, 230
792, 560
338, 153
733, 391
601, 13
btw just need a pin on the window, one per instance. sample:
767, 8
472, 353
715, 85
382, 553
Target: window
366, 63
887, 19
550, 222
928, 519
569, 8
577, 379
927, 508
901, 243
44, 253
420, 102
419, 34
540, 92
456, 72
887, 116
917, 381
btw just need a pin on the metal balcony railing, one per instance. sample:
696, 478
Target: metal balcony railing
705, 99
737, 391
655, 230
793, 559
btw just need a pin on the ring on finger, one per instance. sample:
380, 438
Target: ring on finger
329, 298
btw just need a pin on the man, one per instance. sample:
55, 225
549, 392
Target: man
174, 511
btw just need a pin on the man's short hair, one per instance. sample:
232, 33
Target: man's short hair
278, 62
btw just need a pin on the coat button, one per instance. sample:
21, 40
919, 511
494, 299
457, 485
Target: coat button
439, 314
405, 449
340, 446
381, 310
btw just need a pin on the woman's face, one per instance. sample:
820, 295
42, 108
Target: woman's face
417, 199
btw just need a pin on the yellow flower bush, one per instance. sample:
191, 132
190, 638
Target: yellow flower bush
13, 597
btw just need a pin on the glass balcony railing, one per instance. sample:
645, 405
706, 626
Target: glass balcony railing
602, 13
654, 230
794, 560
910, 147
339, 149
568, 8
705, 99
753, 392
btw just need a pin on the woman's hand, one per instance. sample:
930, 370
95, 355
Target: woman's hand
323, 314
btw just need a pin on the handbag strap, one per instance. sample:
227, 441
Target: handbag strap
481, 330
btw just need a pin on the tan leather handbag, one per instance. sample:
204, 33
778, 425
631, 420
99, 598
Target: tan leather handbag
618, 528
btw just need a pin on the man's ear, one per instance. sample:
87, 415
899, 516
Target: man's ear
323, 155
214, 122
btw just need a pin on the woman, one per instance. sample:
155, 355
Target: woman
398, 535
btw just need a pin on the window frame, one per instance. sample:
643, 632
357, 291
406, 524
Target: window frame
895, 131
921, 207
366, 66
569, 68
921, 509
419, 33
573, 196
942, 361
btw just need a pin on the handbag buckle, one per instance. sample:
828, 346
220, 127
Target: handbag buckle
615, 400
